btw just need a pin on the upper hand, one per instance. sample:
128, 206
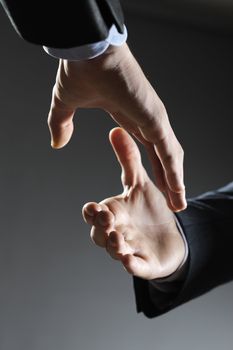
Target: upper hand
115, 83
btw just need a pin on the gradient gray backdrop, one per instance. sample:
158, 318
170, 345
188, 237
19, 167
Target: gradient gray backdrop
57, 290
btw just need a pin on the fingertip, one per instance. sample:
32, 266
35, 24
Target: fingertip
61, 128
113, 132
56, 145
178, 201
61, 136
91, 208
182, 207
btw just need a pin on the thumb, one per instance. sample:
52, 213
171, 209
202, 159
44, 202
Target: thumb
128, 156
60, 122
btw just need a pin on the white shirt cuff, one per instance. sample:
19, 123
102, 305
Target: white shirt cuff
88, 51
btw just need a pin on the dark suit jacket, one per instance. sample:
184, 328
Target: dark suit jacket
208, 227
63, 24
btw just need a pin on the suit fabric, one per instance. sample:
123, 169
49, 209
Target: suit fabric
208, 226
62, 24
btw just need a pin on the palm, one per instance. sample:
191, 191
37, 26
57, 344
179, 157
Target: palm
136, 227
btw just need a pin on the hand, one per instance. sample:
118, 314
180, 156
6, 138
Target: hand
115, 83
136, 227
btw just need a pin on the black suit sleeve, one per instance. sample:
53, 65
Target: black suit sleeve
208, 227
64, 24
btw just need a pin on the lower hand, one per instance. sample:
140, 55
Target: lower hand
136, 227
115, 83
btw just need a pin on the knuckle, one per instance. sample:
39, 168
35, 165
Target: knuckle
180, 151
154, 118
148, 125
161, 110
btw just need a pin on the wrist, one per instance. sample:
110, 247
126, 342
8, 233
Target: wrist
174, 253
112, 57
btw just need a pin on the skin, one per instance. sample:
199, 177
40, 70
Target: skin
115, 83
136, 227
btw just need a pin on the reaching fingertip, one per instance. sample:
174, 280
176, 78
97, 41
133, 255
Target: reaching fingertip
113, 132
91, 208
55, 145
182, 207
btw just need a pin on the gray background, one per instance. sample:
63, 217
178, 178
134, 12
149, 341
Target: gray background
57, 290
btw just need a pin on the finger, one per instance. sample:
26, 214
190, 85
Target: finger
128, 156
136, 266
173, 199
116, 245
169, 199
104, 218
177, 200
156, 167
60, 121
168, 150
171, 156
102, 226
89, 211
